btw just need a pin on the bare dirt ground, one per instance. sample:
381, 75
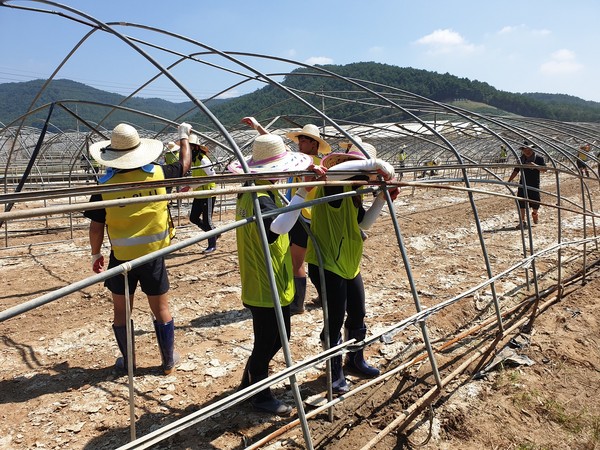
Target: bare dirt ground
58, 389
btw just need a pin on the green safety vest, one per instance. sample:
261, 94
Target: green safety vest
338, 236
256, 289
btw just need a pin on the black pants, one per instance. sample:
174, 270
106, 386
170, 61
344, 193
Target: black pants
202, 211
342, 296
266, 339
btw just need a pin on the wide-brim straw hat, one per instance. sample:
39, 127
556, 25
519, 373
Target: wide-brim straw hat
337, 158
312, 131
195, 140
346, 145
269, 154
172, 147
126, 150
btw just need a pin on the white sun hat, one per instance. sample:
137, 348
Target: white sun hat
269, 154
312, 131
195, 140
346, 145
126, 150
336, 158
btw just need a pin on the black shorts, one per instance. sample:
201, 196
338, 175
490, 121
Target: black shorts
581, 164
533, 196
151, 276
298, 234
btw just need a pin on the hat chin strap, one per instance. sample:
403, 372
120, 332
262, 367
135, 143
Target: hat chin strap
104, 149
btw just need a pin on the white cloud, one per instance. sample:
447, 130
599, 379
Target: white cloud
446, 41
510, 29
561, 62
313, 60
507, 29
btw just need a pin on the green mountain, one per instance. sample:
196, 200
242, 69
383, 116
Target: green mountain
16, 99
476, 96
270, 101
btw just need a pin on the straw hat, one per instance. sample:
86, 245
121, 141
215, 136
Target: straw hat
126, 150
195, 140
336, 158
172, 147
346, 145
269, 154
312, 131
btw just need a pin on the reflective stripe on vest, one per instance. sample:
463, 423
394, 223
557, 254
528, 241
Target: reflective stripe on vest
137, 229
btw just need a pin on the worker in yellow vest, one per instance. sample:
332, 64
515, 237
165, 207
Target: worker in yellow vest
582, 159
202, 208
135, 230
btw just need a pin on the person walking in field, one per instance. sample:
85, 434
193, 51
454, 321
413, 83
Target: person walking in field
529, 184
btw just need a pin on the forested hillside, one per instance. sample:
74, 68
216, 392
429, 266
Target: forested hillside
270, 101
16, 99
443, 88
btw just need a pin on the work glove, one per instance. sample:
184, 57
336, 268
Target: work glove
98, 263
183, 131
250, 121
385, 169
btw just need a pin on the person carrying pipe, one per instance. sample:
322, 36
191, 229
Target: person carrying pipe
337, 227
269, 154
310, 143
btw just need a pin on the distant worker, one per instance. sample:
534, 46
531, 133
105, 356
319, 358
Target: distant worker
402, 156
202, 208
582, 159
135, 230
529, 183
503, 154
172, 153
432, 172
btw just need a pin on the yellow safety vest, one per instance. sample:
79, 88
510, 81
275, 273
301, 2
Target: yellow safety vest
200, 172
137, 229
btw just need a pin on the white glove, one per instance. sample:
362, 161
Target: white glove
251, 122
97, 262
385, 169
184, 130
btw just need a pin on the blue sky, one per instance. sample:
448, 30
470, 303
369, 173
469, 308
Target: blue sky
514, 45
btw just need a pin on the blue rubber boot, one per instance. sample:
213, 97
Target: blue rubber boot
355, 360
339, 385
121, 337
165, 335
